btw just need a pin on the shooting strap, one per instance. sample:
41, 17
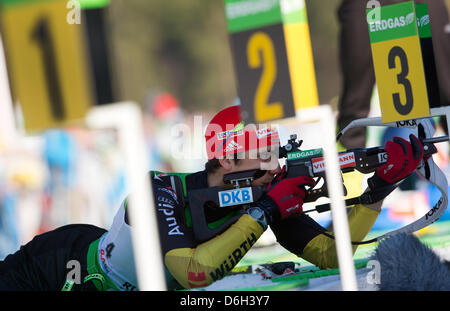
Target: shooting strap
428, 170
371, 196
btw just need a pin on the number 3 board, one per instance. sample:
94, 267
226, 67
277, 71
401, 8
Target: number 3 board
398, 64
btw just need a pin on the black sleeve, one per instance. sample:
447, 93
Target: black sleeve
295, 232
170, 211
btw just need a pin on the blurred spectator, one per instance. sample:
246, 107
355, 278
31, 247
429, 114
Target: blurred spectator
161, 114
60, 154
9, 234
22, 184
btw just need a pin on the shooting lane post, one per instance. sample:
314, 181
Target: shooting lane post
56, 80
272, 56
404, 63
47, 64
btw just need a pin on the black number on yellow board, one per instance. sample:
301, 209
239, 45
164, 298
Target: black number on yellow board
398, 52
261, 53
42, 36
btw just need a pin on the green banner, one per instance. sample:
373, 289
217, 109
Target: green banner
84, 4
8, 3
250, 14
304, 154
423, 20
396, 21
293, 11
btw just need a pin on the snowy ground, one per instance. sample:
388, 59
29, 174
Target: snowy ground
364, 275
437, 236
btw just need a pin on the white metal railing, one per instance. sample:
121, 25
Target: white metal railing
323, 114
127, 119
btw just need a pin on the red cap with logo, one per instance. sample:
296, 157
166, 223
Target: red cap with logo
227, 134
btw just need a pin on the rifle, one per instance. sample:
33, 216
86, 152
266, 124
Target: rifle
298, 163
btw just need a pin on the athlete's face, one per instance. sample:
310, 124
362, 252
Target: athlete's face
263, 161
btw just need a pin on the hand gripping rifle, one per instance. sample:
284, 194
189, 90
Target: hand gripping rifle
311, 163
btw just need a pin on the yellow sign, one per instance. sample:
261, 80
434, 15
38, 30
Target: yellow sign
272, 58
46, 63
401, 83
300, 57
397, 58
261, 55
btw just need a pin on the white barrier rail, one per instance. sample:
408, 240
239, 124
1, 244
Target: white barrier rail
376, 121
324, 115
127, 119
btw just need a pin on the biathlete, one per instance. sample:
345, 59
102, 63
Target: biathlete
106, 257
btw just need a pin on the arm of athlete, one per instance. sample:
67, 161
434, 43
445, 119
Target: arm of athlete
191, 263
195, 264
320, 250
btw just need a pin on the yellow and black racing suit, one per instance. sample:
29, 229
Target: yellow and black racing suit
190, 263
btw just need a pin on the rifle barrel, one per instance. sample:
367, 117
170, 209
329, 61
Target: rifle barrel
439, 139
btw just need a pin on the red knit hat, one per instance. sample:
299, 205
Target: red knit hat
225, 134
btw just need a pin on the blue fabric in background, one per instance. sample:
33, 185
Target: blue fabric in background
59, 152
9, 235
